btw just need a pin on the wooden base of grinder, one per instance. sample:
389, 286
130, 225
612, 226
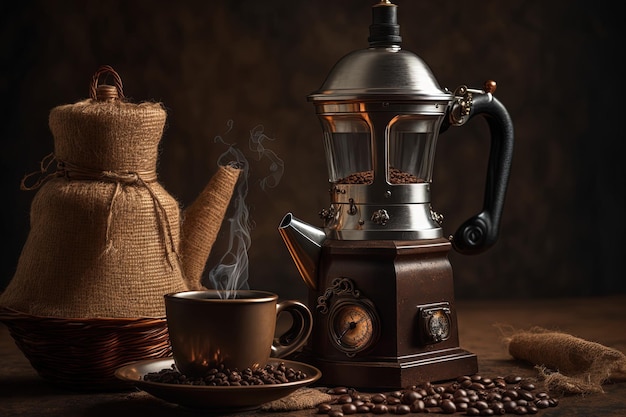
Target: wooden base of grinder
385, 315
438, 366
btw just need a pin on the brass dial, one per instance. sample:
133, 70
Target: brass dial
353, 326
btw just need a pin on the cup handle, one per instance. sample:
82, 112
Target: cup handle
298, 333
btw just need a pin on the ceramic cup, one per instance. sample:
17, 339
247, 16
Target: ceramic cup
207, 331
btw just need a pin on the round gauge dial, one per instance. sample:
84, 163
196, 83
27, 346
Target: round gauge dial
353, 326
439, 325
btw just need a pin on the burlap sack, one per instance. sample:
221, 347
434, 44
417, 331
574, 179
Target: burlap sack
104, 236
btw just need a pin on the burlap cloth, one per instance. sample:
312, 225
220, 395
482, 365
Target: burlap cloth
568, 364
301, 399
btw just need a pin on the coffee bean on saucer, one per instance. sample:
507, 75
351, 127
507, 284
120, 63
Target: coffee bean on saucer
221, 376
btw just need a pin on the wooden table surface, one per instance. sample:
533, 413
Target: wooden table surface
602, 320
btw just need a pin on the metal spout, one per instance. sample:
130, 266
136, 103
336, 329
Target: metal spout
304, 243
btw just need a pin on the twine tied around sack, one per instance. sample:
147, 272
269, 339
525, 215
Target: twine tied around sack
144, 178
73, 172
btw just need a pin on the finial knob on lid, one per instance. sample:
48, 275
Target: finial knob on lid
490, 86
384, 30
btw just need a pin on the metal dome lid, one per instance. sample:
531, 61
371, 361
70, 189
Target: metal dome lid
382, 71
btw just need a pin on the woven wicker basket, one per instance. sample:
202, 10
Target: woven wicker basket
83, 354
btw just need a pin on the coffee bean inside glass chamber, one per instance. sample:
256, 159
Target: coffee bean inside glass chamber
396, 176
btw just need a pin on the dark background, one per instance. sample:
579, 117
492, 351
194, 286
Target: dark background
557, 65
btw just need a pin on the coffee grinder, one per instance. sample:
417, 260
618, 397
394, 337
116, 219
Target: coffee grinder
379, 279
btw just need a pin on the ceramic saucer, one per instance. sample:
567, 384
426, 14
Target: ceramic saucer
215, 399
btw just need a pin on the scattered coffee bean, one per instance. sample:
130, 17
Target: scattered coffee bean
344, 399
512, 379
379, 398
458, 391
526, 395
448, 406
499, 382
498, 408
356, 397
511, 394
472, 411
494, 396
410, 397
509, 406
520, 410
393, 400
468, 395
324, 408
358, 403
461, 406
417, 406
476, 386
338, 391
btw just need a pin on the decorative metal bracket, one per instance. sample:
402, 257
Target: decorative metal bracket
463, 101
380, 217
437, 217
352, 210
462, 106
328, 214
339, 286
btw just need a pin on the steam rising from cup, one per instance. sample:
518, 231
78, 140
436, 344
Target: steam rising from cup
277, 166
231, 272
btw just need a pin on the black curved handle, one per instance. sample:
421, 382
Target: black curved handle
480, 232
